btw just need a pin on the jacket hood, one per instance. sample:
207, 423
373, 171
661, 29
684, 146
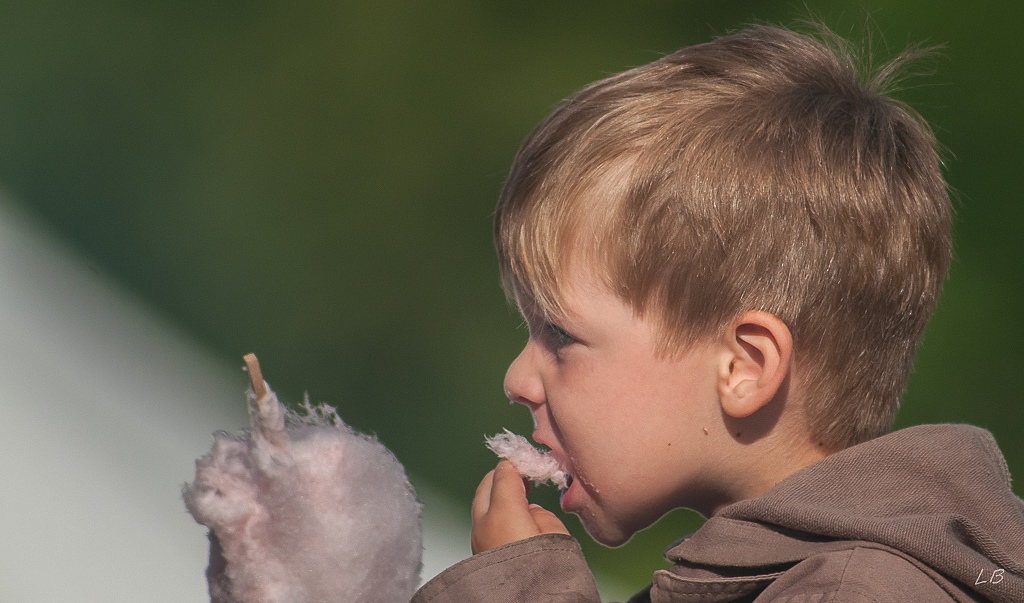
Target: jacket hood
937, 495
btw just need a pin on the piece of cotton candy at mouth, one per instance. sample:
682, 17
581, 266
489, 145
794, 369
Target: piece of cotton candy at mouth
539, 467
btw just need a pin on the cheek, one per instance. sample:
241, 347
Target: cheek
640, 419
607, 404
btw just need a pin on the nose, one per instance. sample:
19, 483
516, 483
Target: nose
523, 384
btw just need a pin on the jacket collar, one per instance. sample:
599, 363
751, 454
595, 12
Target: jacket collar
937, 495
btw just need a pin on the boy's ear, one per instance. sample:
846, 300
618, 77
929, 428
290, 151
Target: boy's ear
755, 362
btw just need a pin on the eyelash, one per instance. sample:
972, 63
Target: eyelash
557, 336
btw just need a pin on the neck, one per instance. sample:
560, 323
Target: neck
754, 467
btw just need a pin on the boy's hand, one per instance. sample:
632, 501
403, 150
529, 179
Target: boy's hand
501, 513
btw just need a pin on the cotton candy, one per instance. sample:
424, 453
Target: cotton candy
301, 508
539, 467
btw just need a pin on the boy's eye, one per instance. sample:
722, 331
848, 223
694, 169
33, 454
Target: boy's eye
557, 337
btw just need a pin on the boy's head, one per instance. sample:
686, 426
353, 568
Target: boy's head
758, 171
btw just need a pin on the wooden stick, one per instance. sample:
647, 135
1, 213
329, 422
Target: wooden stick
259, 387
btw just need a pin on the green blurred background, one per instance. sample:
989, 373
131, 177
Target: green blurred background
314, 182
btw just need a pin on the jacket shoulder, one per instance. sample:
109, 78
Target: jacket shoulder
856, 575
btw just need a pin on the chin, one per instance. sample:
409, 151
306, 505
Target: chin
608, 535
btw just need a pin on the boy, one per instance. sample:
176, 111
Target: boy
726, 259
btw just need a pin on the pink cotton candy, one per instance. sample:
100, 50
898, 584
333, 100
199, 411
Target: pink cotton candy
539, 467
303, 509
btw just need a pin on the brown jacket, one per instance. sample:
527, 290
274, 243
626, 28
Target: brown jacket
923, 514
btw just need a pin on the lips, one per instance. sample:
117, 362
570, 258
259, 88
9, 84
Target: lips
568, 494
565, 500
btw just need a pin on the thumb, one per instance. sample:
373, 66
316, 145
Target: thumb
546, 521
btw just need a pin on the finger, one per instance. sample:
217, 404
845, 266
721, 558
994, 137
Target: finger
482, 499
546, 521
508, 492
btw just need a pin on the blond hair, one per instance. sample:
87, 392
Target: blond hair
755, 171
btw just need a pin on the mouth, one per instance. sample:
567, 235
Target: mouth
538, 466
565, 470
568, 499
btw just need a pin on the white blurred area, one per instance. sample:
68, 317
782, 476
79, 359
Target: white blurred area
103, 412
